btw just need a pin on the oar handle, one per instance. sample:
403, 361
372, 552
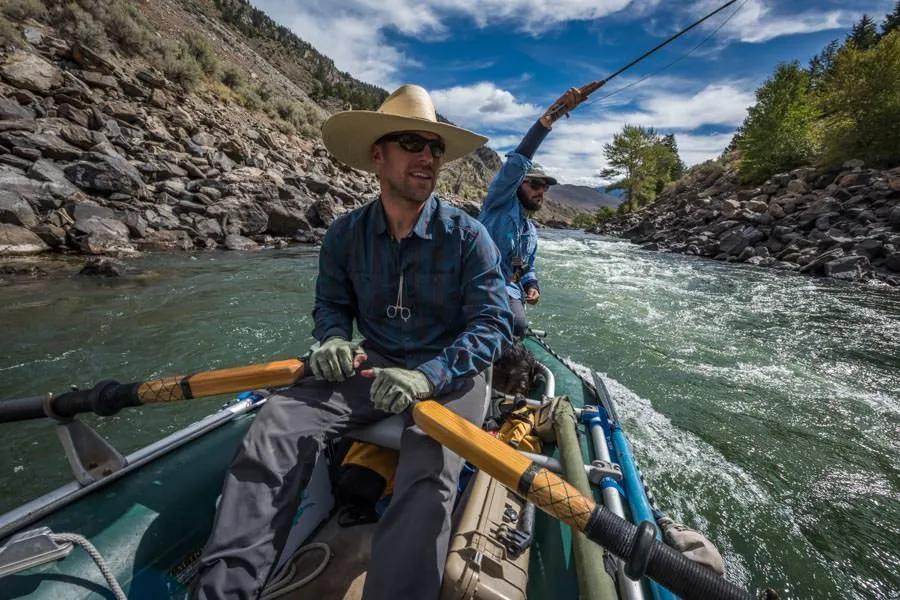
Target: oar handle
637, 546
109, 397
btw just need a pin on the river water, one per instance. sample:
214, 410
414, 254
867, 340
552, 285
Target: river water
764, 407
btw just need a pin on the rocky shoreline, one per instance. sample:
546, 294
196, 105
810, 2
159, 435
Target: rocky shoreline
841, 223
104, 158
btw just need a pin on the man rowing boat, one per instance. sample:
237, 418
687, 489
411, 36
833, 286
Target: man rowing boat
422, 281
516, 192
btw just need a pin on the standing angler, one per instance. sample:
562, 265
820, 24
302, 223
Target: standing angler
516, 191
422, 281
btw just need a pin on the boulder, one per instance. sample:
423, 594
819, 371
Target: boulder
729, 208
99, 235
285, 219
847, 267
16, 240
10, 110
734, 242
239, 242
107, 174
167, 240
14, 209
103, 266
817, 264
208, 228
797, 186
46, 170
894, 217
757, 206
31, 72
240, 216
892, 262
50, 145
53, 235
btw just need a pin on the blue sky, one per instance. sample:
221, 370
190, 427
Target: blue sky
494, 65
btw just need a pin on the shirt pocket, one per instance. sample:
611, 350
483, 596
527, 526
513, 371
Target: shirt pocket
374, 292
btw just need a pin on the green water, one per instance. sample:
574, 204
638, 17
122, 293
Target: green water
764, 408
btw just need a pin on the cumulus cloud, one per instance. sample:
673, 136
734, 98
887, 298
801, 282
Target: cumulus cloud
573, 152
353, 32
757, 21
481, 104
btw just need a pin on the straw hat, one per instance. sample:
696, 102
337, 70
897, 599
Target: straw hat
349, 135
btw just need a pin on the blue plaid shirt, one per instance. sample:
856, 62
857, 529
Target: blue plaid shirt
510, 228
459, 315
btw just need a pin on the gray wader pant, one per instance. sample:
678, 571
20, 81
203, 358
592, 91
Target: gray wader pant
520, 322
275, 461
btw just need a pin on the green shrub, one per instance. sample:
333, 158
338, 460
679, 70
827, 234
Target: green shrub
249, 99
232, 76
860, 101
25, 9
82, 27
203, 52
126, 26
779, 131
180, 66
9, 33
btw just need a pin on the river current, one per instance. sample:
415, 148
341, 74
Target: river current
764, 407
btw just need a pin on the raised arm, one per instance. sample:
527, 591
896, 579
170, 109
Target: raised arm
501, 194
488, 318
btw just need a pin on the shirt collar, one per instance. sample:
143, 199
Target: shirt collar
421, 227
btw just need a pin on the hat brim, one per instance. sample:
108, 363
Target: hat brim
545, 178
349, 135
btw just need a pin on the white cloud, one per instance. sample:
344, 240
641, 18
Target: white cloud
756, 21
716, 104
352, 32
481, 104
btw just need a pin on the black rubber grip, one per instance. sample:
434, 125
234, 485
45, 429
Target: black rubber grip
21, 409
665, 565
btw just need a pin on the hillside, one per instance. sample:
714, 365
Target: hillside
841, 222
175, 124
582, 197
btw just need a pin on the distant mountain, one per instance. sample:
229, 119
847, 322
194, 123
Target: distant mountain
582, 197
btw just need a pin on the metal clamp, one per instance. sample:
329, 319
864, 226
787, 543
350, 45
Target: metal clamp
31, 549
601, 469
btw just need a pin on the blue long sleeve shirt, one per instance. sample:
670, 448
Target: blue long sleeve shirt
510, 228
459, 317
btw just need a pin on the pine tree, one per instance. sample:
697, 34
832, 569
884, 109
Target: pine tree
822, 63
891, 21
645, 161
864, 34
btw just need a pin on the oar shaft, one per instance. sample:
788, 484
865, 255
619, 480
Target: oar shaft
223, 381
559, 499
108, 397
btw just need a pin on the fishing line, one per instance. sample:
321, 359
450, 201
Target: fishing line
677, 60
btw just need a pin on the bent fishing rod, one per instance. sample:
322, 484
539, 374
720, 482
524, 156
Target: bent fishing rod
560, 109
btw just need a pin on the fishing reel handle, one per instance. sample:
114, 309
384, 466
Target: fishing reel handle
559, 109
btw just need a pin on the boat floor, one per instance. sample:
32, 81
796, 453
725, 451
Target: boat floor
345, 575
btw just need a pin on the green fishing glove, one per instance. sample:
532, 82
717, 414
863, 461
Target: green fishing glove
692, 544
333, 360
395, 389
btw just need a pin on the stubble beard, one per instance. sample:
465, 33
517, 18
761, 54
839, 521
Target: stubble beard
409, 193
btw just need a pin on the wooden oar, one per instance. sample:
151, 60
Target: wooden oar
108, 397
637, 546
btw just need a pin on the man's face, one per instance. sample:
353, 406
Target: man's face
531, 193
408, 173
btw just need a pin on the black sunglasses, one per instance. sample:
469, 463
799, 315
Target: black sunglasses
412, 142
537, 184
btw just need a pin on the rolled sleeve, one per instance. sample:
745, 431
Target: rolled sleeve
488, 319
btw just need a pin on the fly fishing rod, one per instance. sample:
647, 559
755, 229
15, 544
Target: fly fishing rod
560, 109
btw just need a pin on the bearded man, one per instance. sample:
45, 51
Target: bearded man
516, 192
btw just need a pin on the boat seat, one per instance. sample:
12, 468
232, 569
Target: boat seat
387, 432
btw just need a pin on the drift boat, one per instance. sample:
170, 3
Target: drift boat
139, 522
